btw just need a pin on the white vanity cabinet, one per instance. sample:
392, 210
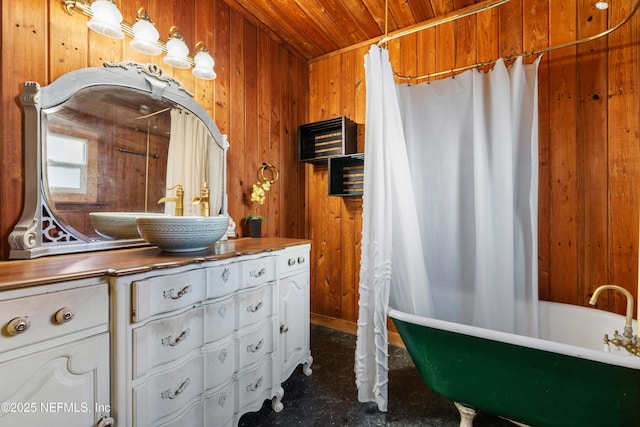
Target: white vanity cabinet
204, 343
142, 338
54, 355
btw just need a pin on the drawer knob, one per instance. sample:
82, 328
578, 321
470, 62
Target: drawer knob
300, 260
64, 315
291, 262
283, 328
106, 422
18, 325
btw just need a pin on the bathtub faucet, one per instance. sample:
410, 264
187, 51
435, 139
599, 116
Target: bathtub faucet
627, 340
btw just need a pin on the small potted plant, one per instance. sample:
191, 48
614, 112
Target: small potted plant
253, 222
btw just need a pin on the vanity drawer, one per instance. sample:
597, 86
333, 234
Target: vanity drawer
168, 391
255, 305
220, 319
168, 339
162, 294
222, 280
254, 343
219, 363
219, 406
35, 318
258, 271
292, 260
254, 385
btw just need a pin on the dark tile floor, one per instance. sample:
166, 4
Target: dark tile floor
329, 398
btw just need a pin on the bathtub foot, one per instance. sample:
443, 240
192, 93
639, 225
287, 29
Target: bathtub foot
466, 415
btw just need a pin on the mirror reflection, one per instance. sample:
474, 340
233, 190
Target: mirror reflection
105, 150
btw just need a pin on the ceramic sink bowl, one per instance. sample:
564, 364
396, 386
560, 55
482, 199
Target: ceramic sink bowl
182, 233
117, 225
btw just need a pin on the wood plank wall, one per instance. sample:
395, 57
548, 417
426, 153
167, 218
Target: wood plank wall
259, 97
589, 149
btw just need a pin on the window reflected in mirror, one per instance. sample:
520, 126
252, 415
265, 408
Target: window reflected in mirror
70, 162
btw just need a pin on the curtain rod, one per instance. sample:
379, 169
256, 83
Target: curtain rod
533, 52
448, 17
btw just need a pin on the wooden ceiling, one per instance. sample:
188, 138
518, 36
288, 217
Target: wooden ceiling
313, 28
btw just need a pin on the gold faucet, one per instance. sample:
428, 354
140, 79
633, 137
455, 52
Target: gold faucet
178, 199
627, 340
203, 200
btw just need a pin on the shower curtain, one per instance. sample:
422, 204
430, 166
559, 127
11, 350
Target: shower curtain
193, 159
449, 206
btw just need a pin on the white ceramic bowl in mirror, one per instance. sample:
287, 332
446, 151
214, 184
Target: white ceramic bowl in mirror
182, 233
117, 225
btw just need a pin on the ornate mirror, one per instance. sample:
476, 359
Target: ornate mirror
112, 140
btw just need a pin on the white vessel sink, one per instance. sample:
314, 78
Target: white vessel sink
117, 225
182, 233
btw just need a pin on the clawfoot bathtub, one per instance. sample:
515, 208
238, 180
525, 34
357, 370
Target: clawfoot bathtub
564, 378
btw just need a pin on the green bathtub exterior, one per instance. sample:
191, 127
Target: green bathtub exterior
528, 385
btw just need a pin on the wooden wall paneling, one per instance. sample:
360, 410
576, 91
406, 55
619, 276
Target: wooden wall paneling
487, 36
246, 155
359, 115
466, 41
263, 118
624, 157
24, 41
274, 142
324, 211
333, 232
564, 168
300, 91
221, 111
285, 213
242, 153
592, 152
426, 51
205, 30
68, 41
535, 36
407, 64
349, 206
445, 47
317, 212
511, 28
183, 17
161, 13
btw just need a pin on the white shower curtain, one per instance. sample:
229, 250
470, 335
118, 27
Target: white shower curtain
193, 159
449, 206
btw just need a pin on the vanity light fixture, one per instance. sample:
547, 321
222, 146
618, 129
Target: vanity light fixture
106, 19
177, 50
203, 63
145, 35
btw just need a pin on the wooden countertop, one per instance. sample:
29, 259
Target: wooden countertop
119, 262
